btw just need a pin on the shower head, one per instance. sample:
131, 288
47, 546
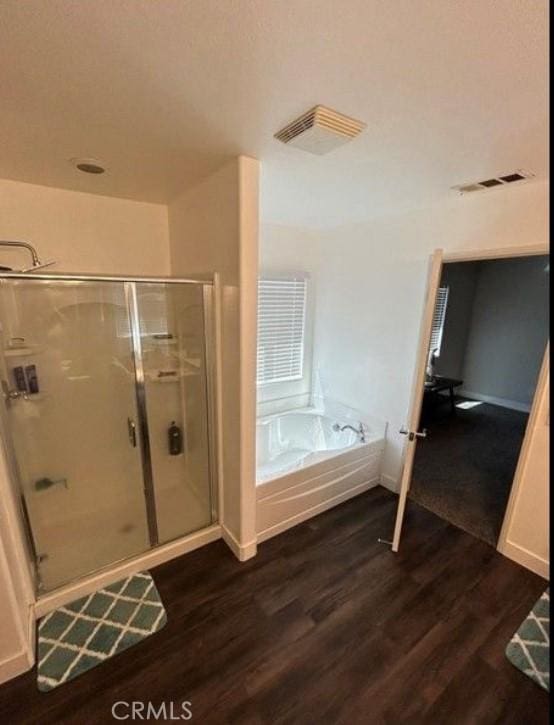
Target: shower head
36, 263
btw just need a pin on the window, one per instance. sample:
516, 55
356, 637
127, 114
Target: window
438, 320
281, 327
153, 312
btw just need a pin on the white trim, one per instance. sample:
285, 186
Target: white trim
526, 558
23, 658
314, 510
504, 546
241, 551
13, 538
15, 665
31, 629
248, 198
389, 482
218, 393
471, 255
502, 402
150, 559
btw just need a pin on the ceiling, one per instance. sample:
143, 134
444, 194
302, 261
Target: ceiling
163, 92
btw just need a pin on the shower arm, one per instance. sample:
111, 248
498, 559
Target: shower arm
36, 263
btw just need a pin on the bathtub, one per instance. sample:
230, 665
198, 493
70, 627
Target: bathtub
304, 465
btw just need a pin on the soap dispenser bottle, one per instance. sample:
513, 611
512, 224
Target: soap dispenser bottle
175, 439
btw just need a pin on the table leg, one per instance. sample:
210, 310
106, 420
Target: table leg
452, 401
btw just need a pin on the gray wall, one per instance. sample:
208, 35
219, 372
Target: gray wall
496, 326
461, 279
509, 329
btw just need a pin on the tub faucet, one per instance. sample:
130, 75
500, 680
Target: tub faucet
359, 431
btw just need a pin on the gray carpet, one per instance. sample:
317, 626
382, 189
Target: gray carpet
463, 470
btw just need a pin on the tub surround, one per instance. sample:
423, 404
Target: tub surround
287, 442
307, 464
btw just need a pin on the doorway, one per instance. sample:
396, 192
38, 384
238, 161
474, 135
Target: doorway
489, 331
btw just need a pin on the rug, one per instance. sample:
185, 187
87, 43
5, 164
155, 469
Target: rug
529, 648
463, 470
85, 633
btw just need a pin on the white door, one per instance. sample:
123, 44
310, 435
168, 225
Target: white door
411, 431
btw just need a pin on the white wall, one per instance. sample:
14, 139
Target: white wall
370, 282
84, 232
214, 228
508, 331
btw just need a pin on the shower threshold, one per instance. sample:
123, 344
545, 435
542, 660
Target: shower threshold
114, 572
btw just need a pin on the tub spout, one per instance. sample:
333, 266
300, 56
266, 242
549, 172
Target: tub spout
359, 431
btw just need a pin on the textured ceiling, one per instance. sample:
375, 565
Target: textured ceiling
164, 91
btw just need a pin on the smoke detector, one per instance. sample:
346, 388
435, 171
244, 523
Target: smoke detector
494, 182
320, 130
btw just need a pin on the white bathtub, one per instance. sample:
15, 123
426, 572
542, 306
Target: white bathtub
305, 466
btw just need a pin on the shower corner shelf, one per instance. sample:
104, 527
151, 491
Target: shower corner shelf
35, 397
163, 342
22, 351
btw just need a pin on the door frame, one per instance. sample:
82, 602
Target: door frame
517, 483
467, 255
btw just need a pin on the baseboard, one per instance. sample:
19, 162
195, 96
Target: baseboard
15, 665
31, 633
389, 482
502, 402
243, 552
526, 558
315, 510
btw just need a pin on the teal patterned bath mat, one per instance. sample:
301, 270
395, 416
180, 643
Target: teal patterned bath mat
85, 633
529, 648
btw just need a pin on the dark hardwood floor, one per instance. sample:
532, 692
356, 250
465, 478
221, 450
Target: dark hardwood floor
324, 625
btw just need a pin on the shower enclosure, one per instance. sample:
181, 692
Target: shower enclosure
106, 415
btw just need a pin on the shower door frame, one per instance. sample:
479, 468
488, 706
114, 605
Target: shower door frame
157, 553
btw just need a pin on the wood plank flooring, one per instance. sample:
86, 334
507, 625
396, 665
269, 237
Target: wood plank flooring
324, 625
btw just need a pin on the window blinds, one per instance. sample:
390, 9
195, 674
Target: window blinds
281, 323
153, 312
438, 320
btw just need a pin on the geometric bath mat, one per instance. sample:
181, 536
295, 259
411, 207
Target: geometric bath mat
84, 633
529, 648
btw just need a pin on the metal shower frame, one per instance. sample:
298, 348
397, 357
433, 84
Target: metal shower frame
208, 284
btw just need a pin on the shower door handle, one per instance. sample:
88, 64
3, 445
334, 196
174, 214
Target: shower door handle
132, 430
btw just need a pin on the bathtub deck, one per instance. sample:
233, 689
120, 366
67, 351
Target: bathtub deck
323, 625
298, 495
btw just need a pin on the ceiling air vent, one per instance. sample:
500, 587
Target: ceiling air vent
496, 181
320, 130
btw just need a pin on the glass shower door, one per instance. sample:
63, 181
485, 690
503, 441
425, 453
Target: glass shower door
68, 378
171, 321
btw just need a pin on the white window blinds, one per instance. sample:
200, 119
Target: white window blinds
438, 320
153, 313
281, 324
